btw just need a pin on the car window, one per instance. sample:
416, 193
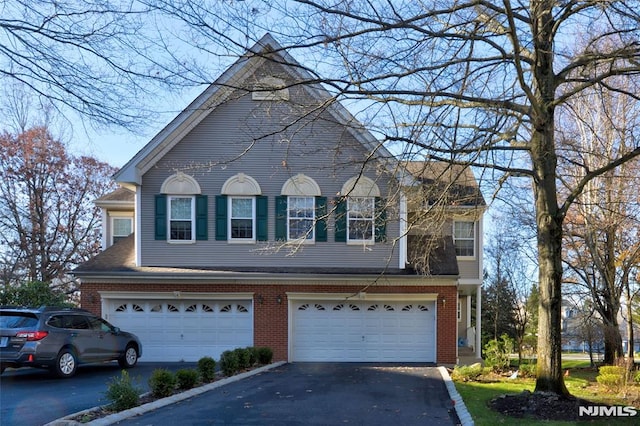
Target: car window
18, 320
56, 321
99, 324
76, 322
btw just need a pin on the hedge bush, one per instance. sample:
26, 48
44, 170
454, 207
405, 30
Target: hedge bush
207, 369
162, 383
244, 357
186, 378
121, 392
265, 355
229, 363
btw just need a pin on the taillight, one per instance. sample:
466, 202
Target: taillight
32, 335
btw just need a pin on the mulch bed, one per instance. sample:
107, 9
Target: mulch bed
540, 406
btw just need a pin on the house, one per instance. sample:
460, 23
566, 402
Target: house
266, 215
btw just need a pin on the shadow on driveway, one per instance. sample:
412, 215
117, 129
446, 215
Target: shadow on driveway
319, 394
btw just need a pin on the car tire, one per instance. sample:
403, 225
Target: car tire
130, 357
66, 363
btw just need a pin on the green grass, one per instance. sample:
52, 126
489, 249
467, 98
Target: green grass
581, 383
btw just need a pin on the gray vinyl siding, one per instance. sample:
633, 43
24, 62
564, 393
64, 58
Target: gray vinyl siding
469, 268
318, 148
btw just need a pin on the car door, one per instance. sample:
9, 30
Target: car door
80, 335
106, 340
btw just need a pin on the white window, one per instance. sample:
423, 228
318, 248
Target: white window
181, 218
464, 238
300, 218
242, 218
121, 227
360, 219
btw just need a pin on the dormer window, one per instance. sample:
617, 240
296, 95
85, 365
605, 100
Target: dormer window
270, 89
121, 228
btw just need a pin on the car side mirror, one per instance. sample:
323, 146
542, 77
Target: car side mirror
116, 330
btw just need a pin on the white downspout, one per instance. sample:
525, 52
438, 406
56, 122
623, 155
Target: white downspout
136, 225
478, 322
402, 246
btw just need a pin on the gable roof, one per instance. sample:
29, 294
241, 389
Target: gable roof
267, 48
121, 197
457, 182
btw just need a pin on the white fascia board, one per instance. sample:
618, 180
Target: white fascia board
191, 116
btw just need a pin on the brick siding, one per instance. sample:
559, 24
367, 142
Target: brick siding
271, 318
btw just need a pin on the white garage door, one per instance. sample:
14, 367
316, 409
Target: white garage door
184, 330
363, 331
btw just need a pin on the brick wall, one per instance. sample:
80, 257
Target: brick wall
271, 317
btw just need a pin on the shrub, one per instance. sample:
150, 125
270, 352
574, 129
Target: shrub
497, 351
636, 377
527, 370
121, 392
265, 355
253, 355
207, 369
466, 373
243, 356
162, 383
611, 377
186, 378
229, 363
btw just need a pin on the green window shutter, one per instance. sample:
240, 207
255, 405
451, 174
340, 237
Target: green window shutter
341, 220
161, 217
321, 219
281, 218
221, 217
262, 206
380, 220
202, 233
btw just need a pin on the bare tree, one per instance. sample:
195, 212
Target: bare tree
100, 58
473, 83
48, 223
602, 250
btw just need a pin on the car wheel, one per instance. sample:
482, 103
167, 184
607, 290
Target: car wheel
66, 363
130, 357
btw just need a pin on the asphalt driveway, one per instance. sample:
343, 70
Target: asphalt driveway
318, 394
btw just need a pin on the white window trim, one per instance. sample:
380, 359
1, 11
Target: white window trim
305, 240
474, 238
193, 220
370, 241
230, 238
112, 227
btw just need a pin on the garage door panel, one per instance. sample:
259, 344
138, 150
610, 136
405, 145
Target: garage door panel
184, 330
363, 331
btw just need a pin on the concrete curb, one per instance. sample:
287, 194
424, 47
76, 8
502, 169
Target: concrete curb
461, 409
141, 409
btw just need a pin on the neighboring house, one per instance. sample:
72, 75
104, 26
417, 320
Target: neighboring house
264, 215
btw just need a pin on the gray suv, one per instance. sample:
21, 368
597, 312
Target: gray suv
62, 338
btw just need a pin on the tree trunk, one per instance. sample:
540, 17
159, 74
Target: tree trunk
629, 312
612, 337
549, 218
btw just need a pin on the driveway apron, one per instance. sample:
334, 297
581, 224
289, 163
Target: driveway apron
319, 394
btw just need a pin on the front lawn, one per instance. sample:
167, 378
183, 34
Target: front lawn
581, 383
